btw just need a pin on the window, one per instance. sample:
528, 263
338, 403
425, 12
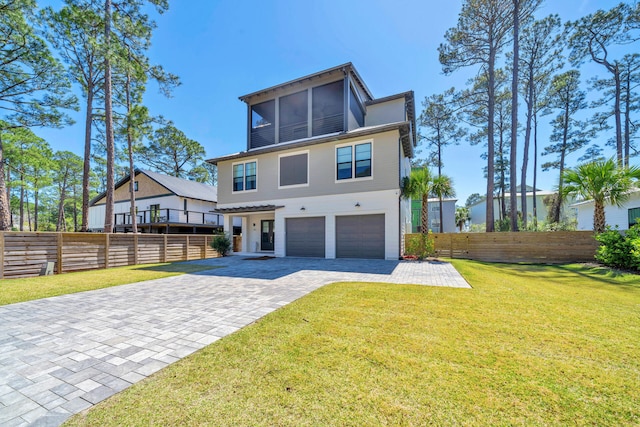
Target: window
263, 119
634, 216
328, 108
353, 161
155, 213
135, 185
294, 169
244, 176
293, 116
185, 206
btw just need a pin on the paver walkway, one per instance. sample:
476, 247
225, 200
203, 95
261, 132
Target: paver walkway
61, 355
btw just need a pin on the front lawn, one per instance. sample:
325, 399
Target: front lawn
528, 345
20, 290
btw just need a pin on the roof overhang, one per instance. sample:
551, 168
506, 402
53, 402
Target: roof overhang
404, 128
248, 209
344, 69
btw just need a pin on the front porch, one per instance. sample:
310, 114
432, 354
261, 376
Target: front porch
257, 229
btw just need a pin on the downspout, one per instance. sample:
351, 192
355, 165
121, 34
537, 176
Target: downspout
400, 239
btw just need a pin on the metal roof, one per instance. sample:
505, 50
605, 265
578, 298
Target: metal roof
178, 186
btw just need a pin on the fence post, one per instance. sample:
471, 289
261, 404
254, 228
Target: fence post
186, 255
203, 252
164, 249
59, 254
135, 248
106, 250
2, 233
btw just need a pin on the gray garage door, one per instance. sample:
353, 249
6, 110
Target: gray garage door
305, 237
360, 236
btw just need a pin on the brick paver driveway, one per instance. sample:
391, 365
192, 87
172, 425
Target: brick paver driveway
61, 355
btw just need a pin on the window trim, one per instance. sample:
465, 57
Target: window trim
244, 176
629, 216
353, 161
294, 153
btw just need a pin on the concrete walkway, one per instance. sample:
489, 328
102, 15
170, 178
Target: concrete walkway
61, 355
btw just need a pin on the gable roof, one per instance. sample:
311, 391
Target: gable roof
178, 186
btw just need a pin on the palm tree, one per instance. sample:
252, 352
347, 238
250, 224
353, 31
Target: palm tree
441, 187
462, 215
418, 185
603, 182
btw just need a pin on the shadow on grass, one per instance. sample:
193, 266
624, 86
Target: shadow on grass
558, 272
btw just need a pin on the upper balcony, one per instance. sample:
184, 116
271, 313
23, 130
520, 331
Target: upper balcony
328, 102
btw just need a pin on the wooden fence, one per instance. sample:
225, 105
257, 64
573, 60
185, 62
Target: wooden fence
25, 254
539, 247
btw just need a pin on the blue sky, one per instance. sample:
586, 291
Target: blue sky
228, 48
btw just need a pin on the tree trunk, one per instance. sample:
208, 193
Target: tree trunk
513, 191
439, 175
424, 214
557, 204
599, 221
5, 206
86, 171
616, 75
61, 225
489, 219
36, 196
525, 150
108, 115
132, 172
21, 205
627, 119
534, 201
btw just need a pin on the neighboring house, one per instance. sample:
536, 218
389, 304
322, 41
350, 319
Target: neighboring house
164, 204
478, 211
622, 217
448, 215
321, 173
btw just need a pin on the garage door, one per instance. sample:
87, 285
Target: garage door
360, 236
305, 237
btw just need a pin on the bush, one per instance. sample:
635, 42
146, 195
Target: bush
419, 245
222, 244
620, 250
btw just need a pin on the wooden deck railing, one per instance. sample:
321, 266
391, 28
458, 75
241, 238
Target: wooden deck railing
24, 254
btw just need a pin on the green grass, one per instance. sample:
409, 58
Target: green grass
20, 290
529, 345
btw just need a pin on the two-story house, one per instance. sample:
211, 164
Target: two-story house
321, 173
164, 204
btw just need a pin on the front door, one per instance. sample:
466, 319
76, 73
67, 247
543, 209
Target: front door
266, 242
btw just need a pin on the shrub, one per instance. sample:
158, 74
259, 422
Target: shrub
620, 250
419, 245
222, 244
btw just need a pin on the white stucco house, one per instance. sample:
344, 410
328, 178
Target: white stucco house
320, 175
621, 217
164, 204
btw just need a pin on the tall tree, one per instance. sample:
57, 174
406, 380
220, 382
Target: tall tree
540, 57
129, 18
67, 166
568, 133
205, 172
33, 88
593, 36
440, 125
171, 152
514, 117
482, 32
75, 32
603, 182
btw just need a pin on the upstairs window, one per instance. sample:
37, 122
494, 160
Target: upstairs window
293, 116
353, 161
263, 119
244, 176
328, 108
294, 169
